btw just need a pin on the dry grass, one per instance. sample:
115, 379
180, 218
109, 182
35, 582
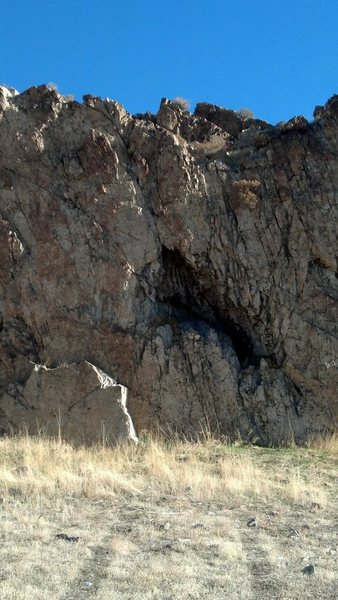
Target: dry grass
166, 519
327, 444
210, 148
205, 470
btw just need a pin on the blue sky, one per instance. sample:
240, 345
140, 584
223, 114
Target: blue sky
277, 57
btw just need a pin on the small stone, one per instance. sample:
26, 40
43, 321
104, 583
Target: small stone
308, 569
67, 538
21, 470
252, 522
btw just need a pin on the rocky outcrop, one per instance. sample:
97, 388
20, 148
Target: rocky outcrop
78, 402
190, 257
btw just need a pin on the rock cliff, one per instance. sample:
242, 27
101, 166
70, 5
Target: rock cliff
189, 259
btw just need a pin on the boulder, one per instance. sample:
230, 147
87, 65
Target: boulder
78, 402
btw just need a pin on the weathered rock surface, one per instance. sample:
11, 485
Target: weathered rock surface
79, 402
190, 257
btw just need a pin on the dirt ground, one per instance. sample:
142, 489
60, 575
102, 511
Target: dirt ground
176, 544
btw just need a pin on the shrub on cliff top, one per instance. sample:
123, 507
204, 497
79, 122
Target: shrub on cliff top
246, 113
181, 103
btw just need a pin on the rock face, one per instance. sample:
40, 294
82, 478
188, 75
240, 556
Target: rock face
190, 257
79, 402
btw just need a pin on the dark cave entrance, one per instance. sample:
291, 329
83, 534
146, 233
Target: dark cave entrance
187, 298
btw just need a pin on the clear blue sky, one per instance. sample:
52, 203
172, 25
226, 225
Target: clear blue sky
277, 57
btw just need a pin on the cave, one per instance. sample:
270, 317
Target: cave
182, 295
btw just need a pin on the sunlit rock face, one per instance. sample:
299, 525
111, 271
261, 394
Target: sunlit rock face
78, 403
191, 258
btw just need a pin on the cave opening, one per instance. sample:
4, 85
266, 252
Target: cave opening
187, 297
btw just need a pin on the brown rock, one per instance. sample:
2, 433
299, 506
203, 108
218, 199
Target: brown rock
191, 257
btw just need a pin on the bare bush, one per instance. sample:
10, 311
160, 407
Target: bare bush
52, 86
181, 103
246, 113
245, 192
208, 148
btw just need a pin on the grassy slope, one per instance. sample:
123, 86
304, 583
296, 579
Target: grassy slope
167, 520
